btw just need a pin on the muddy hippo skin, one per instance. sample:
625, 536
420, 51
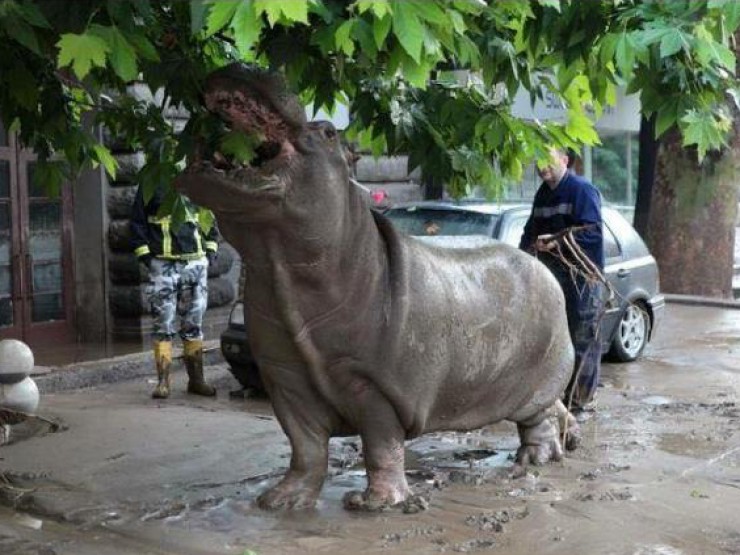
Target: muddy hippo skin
359, 329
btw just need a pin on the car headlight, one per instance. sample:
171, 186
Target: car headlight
236, 318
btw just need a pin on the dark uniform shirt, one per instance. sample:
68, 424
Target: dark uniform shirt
574, 202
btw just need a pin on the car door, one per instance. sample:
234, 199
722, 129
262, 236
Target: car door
619, 277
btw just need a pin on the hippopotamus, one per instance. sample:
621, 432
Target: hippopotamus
359, 329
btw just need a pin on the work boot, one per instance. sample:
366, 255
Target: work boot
163, 360
193, 355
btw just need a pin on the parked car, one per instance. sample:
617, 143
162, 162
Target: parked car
236, 351
630, 318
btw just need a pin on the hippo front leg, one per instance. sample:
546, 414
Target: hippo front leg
383, 448
306, 421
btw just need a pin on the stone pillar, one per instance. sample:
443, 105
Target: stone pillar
130, 318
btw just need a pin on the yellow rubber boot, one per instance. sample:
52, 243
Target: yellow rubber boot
163, 360
193, 355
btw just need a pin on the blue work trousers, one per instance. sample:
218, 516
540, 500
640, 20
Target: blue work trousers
584, 304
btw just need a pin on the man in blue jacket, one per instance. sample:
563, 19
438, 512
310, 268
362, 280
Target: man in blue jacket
177, 261
565, 200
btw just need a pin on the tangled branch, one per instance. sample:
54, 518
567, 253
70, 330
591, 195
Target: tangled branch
566, 249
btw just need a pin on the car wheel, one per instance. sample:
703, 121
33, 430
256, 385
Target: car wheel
632, 334
247, 375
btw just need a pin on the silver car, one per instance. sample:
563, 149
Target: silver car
631, 317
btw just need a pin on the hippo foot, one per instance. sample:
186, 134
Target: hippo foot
285, 496
540, 444
373, 500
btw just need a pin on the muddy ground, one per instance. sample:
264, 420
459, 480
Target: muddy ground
658, 474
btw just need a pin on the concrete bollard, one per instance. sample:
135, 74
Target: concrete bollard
18, 392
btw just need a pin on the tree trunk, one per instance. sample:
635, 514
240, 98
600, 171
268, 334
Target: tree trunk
645, 174
691, 224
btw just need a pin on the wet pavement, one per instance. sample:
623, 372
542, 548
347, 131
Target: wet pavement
658, 473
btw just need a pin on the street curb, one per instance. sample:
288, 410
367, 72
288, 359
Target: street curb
113, 370
695, 300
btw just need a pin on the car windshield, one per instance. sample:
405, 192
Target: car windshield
430, 221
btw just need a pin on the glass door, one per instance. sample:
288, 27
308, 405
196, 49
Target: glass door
11, 318
36, 295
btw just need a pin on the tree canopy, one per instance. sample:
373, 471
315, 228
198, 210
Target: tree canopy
68, 65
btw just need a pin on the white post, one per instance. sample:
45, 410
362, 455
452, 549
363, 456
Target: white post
628, 158
588, 170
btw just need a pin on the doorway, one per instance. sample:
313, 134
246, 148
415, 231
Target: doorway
36, 281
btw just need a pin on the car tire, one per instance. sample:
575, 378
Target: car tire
632, 333
248, 376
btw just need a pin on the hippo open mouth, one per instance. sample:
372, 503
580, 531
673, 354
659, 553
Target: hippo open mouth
255, 103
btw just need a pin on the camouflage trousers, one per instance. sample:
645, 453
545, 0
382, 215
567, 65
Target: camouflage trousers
178, 288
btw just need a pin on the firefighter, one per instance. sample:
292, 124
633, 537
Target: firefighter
177, 262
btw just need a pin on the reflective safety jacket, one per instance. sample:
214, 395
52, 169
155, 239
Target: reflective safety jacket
152, 235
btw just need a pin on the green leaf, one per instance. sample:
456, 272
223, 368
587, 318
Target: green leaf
417, 74
381, 28
295, 10
343, 39
667, 116
220, 15
625, 55
702, 130
31, 13
50, 175
143, 47
206, 219
407, 28
731, 11
581, 129
82, 51
198, 13
122, 56
671, 43
238, 145
292, 11
554, 4
246, 27
25, 89
21, 32
380, 8
106, 159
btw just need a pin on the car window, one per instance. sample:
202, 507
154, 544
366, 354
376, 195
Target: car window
630, 241
426, 221
611, 246
511, 233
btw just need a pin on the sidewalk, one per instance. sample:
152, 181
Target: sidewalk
92, 373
